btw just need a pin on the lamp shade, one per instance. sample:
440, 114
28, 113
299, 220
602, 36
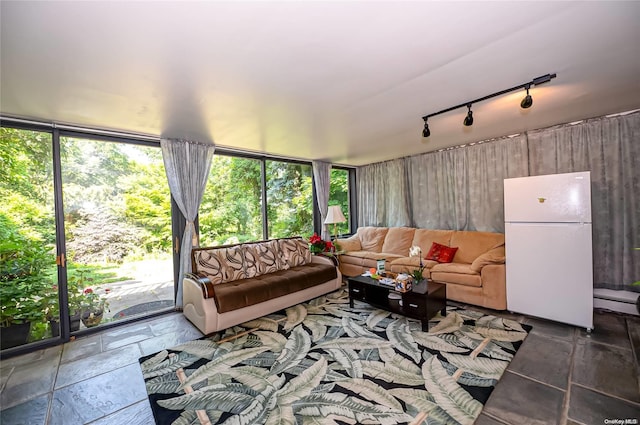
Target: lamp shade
334, 215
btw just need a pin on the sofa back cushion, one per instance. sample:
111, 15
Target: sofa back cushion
207, 263
471, 244
424, 238
250, 260
372, 238
398, 240
493, 256
220, 264
295, 252
269, 257
232, 263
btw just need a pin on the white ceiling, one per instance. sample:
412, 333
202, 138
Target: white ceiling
342, 81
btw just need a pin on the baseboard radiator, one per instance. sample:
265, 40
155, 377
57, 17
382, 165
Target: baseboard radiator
620, 301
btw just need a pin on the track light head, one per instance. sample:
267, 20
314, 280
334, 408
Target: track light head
527, 101
468, 120
426, 132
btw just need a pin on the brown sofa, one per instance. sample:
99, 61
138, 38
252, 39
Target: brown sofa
476, 275
234, 284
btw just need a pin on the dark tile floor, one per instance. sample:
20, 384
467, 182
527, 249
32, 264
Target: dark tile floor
561, 375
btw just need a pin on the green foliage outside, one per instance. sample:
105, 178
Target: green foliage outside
231, 207
117, 201
289, 199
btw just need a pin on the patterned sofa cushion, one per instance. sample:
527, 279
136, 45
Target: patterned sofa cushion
206, 263
219, 264
232, 263
295, 252
251, 268
268, 258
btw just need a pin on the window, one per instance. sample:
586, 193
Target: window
339, 195
238, 207
231, 208
289, 199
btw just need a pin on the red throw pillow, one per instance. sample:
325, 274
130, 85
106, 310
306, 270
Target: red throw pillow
441, 253
446, 254
434, 251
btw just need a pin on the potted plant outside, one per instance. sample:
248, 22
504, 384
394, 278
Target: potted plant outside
22, 282
93, 307
19, 310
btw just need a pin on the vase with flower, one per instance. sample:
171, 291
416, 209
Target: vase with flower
318, 246
417, 274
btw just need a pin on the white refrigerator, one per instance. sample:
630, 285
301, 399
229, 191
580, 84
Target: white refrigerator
548, 247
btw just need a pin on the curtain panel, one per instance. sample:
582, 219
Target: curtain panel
383, 191
321, 181
462, 189
187, 165
609, 148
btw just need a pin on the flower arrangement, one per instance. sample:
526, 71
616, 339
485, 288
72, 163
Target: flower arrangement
317, 245
417, 274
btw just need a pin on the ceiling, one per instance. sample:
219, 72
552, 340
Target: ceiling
341, 81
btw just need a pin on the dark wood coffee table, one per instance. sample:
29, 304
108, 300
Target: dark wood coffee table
422, 302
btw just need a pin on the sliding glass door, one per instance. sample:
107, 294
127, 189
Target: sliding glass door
117, 220
28, 275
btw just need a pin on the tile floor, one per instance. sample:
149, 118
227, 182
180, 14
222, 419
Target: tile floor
561, 375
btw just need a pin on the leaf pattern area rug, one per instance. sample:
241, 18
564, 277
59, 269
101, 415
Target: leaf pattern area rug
322, 362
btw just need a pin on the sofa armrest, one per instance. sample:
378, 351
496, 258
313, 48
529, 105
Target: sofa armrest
350, 244
494, 286
203, 282
200, 311
324, 259
493, 256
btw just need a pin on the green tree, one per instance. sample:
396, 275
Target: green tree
26, 182
289, 199
231, 206
147, 205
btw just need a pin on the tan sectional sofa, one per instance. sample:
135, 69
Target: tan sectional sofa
476, 275
236, 283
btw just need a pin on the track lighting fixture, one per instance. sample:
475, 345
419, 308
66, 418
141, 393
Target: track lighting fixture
468, 120
426, 132
528, 100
